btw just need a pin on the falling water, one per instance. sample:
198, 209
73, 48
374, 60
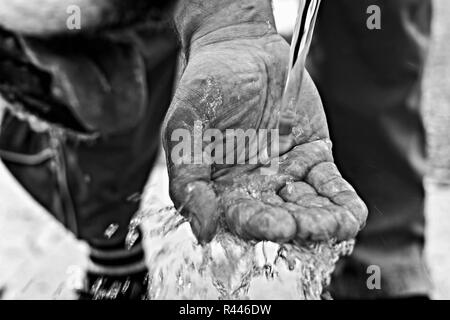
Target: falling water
229, 267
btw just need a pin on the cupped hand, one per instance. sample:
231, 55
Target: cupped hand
238, 83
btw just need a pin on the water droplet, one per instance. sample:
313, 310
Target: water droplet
111, 230
131, 239
297, 132
135, 197
95, 288
75, 277
125, 287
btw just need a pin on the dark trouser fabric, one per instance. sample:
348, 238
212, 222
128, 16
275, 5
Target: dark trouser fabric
89, 185
370, 83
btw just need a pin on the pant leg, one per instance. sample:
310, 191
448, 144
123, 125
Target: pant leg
370, 82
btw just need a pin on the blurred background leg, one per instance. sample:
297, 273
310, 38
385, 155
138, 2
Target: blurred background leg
370, 82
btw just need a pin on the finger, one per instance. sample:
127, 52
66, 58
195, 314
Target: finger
317, 217
269, 197
254, 220
304, 195
328, 182
313, 223
325, 223
296, 191
299, 161
348, 225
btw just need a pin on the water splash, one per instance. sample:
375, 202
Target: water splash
229, 267
111, 230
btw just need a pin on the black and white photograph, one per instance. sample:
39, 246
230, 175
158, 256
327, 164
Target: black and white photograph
225, 150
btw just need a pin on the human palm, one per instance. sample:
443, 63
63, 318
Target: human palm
239, 83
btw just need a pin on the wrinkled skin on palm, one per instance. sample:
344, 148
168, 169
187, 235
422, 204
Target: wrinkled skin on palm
236, 81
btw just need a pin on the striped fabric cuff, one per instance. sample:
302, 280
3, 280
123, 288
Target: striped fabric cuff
117, 261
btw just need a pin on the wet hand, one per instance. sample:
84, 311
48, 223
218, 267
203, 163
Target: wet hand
234, 79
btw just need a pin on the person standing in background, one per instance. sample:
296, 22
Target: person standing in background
370, 81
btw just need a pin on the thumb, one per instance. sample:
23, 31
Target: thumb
191, 188
194, 195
